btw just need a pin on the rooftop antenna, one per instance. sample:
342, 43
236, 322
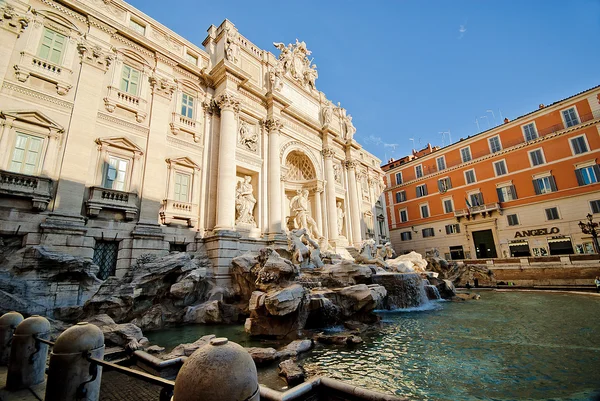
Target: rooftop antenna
501, 118
444, 136
413, 142
486, 119
493, 115
477, 122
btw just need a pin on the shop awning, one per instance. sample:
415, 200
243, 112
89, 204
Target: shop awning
519, 243
566, 239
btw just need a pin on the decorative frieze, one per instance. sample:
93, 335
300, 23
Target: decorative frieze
247, 136
36, 95
162, 87
94, 55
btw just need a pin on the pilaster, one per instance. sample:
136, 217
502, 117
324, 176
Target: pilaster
332, 225
354, 202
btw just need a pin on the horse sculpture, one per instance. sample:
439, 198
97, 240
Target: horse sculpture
369, 255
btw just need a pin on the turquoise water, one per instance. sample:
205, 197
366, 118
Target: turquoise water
505, 346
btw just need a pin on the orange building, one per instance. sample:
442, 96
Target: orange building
516, 190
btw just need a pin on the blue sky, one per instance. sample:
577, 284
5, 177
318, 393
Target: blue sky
414, 69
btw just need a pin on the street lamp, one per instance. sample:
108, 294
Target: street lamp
591, 228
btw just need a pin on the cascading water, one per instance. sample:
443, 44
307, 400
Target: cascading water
404, 290
432, 292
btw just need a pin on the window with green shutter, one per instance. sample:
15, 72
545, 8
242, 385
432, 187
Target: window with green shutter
52, 46
130, 80
182, 187
587, 175
26, 154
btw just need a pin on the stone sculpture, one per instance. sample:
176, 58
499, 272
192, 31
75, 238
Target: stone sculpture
301, 215
327, 113
245, 201
299, 244
369, 255
231, 47
349, 129
340, 217
294, 61
276, 77
248, 137
337, 173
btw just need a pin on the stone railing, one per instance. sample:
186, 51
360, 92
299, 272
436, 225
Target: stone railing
482, 209
38, 189
118, 98
180, 123
173, 211
105, 198
32, 65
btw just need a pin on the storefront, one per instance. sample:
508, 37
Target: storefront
519, 248
560, 246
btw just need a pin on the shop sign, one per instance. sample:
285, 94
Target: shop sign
539, 231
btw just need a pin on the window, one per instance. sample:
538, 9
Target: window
406, 236
425, 211
182, 187
419, 171
403, 216
26, 154
544, 185
536, 157
421, 190
506, 193
579, 145
441, 163
136, 26
476, 199
448, 206
595, 206
470, 176
587, 175
52, 46
552, 213
529, 132
465, 154
513, 220
500, 167
177, 247
191, 58
400, 196
398, 178
115, 176
428, 232
130, 79
105, 256
187, 105
495, 145
570, 116
452, 228
444, 184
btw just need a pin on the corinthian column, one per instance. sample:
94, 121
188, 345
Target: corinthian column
330, 194
273, 127
354, 202
229, 106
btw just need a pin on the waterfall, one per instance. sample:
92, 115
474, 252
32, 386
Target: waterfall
404, 290
432, 292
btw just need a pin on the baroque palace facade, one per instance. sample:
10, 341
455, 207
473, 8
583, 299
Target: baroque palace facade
516, 190
119, 138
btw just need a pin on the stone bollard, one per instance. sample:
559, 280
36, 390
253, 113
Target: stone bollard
8, 323
27, 363
70, 375
219, 371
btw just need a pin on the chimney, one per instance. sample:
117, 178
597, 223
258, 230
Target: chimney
542, 106
506, 120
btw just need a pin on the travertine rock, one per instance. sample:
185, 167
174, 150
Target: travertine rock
292, 372
188, 348
262, 356
211, 312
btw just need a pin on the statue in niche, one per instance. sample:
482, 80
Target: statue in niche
248, 136
337, 173
340, 217
349, 129
244, 201
327, 113
232, 48
299, 211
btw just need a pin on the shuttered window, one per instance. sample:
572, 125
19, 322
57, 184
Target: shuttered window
529, 132
441, 163
507, 193
448, 207
552, 213
587, 175
182, 187
465, 154
400, 196
570, 116
428, 232
513, 220
130, 80
500, 167
421, 190
398, 178
452, 228
444, 184
406, 236
52, 46
476, 199
424, 211
579, 145
595, 205
544, 185
115, 176
26, 154
495, 145
536, 157
403, 216
470, 176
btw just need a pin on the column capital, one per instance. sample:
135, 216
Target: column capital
328, 153
227, 101
350, 164
273, 125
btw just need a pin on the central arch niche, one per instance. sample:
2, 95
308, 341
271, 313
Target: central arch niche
300, 174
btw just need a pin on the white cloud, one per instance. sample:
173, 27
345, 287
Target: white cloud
462, 30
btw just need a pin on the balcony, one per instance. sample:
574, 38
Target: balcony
126, 101
180, 123
38, 189
484, 210
104, 198
31, 65
173, 211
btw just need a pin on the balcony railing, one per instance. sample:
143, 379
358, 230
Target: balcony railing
106, 198
118, 98
481, 209
173, 211
59, 75
181, 123
38, 189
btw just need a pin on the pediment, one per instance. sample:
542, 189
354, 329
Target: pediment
121, 143
32, 117
59, 19
184, 161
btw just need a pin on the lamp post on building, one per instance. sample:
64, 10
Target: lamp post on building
591, 228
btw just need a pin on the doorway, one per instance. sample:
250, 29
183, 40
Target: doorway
484, 244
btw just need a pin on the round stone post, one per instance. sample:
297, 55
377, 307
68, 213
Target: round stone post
219, 371
328, 154
70, 375
27, 363
273, 127
8, 323
354, 202
229, 106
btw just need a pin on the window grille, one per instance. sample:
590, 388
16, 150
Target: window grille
105, 256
